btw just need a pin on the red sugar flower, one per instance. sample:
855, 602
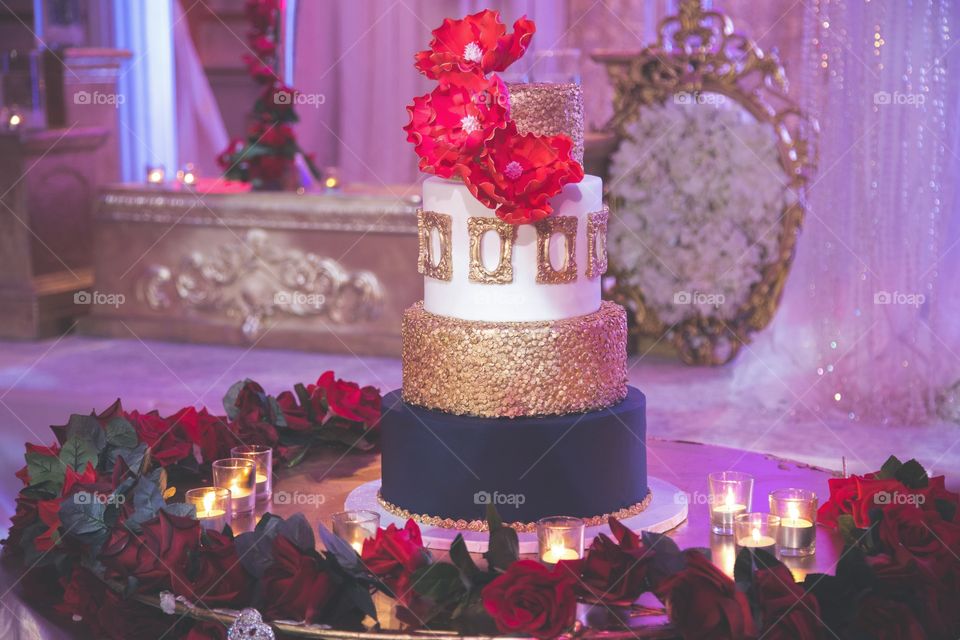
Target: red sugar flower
451, 124
476, 44
520, 173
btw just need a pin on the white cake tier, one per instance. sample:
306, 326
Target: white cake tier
523, 299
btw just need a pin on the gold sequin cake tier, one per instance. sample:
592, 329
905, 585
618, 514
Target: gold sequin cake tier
511, 369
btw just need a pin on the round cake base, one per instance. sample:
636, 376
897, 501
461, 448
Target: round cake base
662, 514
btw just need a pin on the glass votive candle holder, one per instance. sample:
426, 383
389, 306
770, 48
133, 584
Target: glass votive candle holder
356, 526
560, 538
797, 509
756, 531
239, 475
212, 505
262, 456
155, 174
331, 179
731, 494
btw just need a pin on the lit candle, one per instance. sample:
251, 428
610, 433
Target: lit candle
560, 538
331, 180
212, 506
797, 509
262, 456
731, 494
187, 175
356, 526
155, 175
757, 531
239, 476
15, 121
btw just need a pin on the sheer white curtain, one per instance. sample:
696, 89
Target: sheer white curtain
359, 56
869, 323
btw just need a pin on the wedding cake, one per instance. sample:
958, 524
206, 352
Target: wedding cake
514, 370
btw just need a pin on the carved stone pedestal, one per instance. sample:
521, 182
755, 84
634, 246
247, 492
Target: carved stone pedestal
321, 272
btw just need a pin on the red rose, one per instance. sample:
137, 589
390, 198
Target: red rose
293, 413
936, 490
164, 546
260, 72
278, 101
450, 125
81, 595
348, 400
902, 579
520, 173
934, 542
857, 495
531, 599
209, 434
477, 44
611, 572
227, 158
277, 136
270, 168
167, 443
789, 612
878, 618
262, 45
393, 555
295, 586
213, 575
703, 603
261, 14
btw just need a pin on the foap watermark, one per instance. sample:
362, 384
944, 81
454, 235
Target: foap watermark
84, 97
299, 98
99, 298
898, 98
892, 498
86, 497
698, 97
299, 499
698, 298
299, 299
899, 297
695, 498
499, 499
488, 99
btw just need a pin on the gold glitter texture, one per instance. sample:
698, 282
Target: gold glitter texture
546, 228
510, 369
427, 263
548, 109
477, 227
597, 243
521, 527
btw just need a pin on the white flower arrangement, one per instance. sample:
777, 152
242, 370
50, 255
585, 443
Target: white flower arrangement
699, 192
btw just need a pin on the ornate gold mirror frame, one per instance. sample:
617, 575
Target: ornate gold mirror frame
697, 53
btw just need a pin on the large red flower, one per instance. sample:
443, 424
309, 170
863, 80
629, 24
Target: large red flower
296, 585
531, 599
789, 612
348, 400
520, 173
393, 555
451, 124
477, 44
614, 572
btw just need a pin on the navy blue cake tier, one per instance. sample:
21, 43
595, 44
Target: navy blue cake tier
439, 467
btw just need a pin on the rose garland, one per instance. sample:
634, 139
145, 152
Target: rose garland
899, 576
463, 128
267, 154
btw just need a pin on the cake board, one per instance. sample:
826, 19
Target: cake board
664, 513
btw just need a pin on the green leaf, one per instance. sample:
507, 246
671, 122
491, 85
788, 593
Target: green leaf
493, 518
460, 557
889, 469
45, 470
77, 452
230, 399
439, 581
912, 474
847, 528
298, 456
86, 428
120, 433
503, 549
83, 513
304, 398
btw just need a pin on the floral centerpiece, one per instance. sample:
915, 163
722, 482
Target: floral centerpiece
266, 157
462, 129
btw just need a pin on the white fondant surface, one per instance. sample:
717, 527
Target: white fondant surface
663, 513
523, 300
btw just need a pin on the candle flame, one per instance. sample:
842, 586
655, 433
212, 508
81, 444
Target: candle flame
208, 499
557, 548
793, 511
729, 500
756, 534
14, 120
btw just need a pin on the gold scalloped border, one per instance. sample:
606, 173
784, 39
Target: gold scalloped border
521, 527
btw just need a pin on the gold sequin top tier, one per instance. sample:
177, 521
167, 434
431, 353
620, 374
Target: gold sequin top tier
549, 109
511, 369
